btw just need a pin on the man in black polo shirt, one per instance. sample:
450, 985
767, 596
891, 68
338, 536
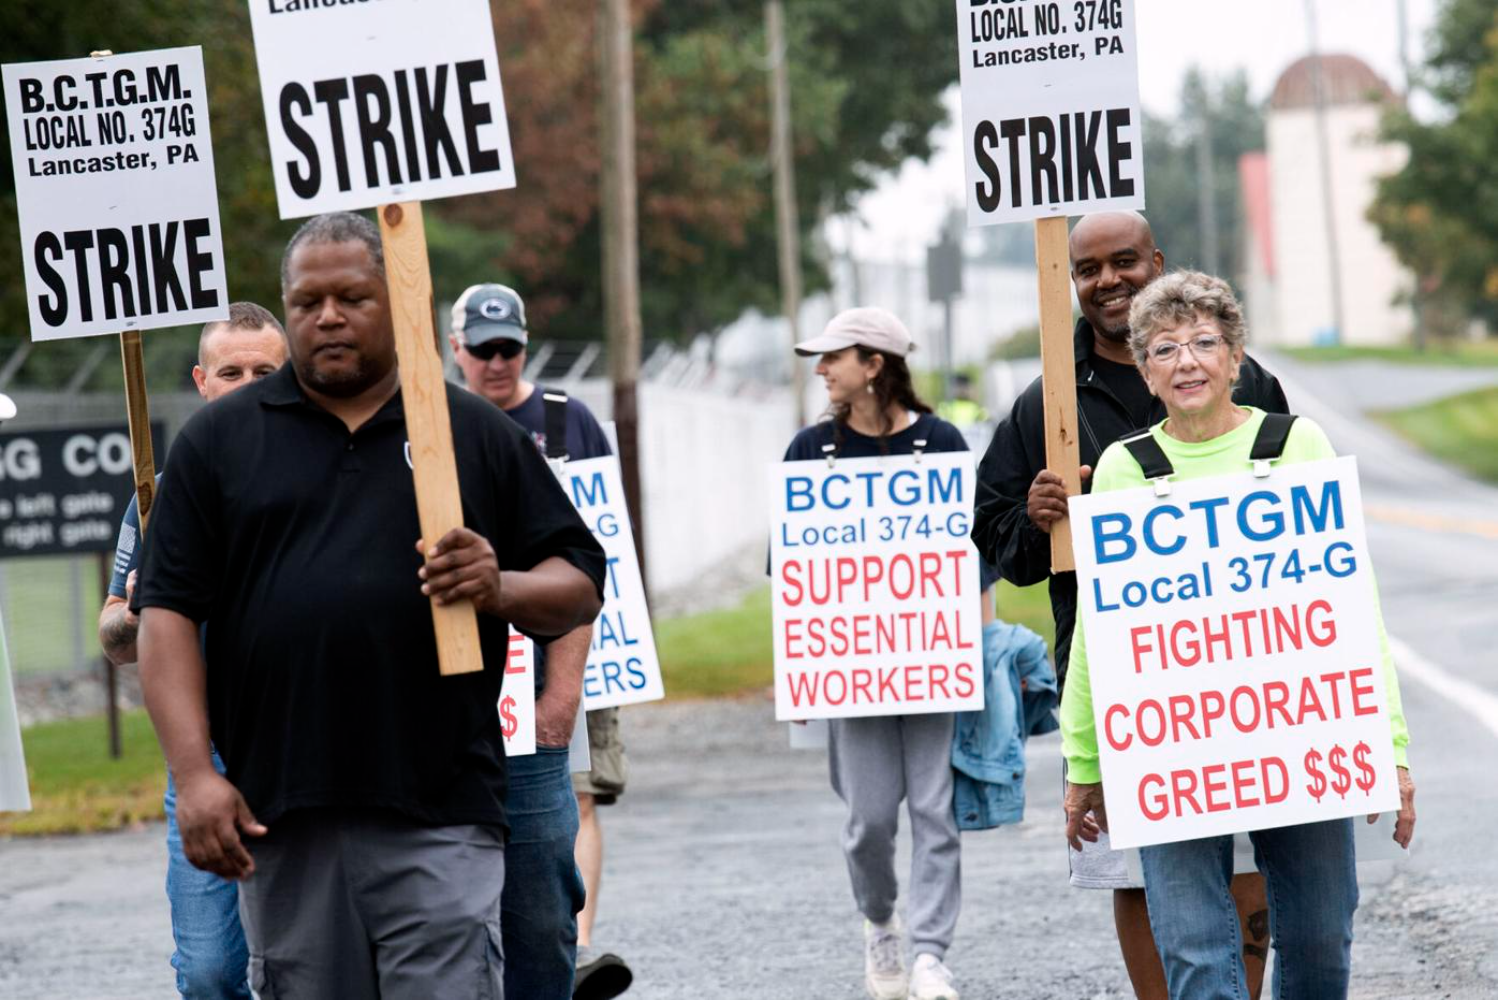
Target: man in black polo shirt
1111, 257
362, 807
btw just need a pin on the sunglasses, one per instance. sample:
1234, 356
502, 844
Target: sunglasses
506, 348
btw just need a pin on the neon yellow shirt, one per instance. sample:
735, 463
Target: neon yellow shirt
1225, 454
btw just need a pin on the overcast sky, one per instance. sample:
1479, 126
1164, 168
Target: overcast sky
1220, 36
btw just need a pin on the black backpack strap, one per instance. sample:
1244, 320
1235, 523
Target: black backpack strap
555, 423
1148, 454
1272, 437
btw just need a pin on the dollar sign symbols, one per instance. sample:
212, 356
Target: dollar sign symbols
1368, 779
1311, 764
1341, 783
508, 720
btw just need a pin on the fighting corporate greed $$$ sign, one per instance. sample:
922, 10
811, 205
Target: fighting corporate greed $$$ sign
518, 702
875, 587
1052, 124
1235, 662
376, 101
115, 193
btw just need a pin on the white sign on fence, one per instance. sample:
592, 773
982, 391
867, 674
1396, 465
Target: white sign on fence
376, 102
622, 667
115, 193
15, 794
1234, 653
1052, 123
875, 587
518, 703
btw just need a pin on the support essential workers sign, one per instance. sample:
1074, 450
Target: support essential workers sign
376, 101
875, 587
1235, 661
115, 193
1052, 122
622, 667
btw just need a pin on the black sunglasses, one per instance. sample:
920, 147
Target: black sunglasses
506, 348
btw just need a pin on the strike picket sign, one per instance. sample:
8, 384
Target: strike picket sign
518, 702
115, 193
369, 103
1052, 122
622, 667
875, 587
1235, 653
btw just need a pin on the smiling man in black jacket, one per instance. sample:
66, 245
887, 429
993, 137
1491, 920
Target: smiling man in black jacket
1111, 257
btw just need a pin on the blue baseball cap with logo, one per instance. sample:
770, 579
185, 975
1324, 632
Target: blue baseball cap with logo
489, 311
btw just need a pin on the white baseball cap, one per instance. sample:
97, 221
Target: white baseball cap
869, 327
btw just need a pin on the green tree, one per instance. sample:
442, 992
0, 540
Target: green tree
1236, 127
1439, 213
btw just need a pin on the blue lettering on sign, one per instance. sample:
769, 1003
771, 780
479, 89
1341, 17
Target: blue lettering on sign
800, 494
592, 493
1208, 506
1329, 505
946, 486
1104, 536
903, 488
1151, 539
1271, 521
613, 676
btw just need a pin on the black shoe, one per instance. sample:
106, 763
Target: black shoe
600, 976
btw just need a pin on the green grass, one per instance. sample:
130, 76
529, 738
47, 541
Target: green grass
726, 652
77, 788
1481, 354
1461, 430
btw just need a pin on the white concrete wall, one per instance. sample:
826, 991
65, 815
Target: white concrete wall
1371, 278
704, 458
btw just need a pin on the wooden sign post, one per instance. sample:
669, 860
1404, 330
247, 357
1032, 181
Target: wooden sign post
1053, 130
435, 56
1056, 339
425, 400
120, 222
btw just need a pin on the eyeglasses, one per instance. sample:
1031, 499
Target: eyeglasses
1203, 346
506, 348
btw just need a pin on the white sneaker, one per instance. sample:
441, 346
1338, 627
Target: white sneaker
886, 972
932, 980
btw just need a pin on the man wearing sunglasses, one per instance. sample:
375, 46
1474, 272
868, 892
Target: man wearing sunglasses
545, 890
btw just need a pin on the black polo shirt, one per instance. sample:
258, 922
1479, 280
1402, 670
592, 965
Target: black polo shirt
295, 538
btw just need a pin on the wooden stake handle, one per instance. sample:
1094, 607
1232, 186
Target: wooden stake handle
1056, 334
425, 401
138, 414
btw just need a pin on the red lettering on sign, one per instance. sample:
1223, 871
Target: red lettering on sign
1158, 807
965, 674
938, 680
1181, 716
1240, 783
1138, 648
1117, 744
1358, 692
860, 683
1214, 785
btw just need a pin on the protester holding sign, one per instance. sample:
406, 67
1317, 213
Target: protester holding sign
210, 957
489, 339
1187, 338
1112, 257
876, 761
363, 805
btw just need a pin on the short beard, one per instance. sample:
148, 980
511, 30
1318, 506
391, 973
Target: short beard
366, 374
1118, 335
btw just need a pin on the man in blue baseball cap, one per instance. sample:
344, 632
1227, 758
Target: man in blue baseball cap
550, 829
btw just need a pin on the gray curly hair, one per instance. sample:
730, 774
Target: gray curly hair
1181, 298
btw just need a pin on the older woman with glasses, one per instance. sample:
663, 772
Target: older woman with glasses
1187, 337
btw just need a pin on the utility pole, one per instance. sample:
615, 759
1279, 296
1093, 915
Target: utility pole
788, 266
1327, 182
1209, 226
618, 247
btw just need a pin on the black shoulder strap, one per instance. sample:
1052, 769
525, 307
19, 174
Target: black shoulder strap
555, 423
1272, 437
1148, 454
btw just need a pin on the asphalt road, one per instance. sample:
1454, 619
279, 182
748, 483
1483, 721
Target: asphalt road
724, 877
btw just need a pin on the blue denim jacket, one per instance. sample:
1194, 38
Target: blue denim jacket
987, 753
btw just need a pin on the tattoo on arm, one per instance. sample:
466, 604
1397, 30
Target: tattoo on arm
116, 635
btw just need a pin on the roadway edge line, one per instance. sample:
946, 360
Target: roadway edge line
1470, 698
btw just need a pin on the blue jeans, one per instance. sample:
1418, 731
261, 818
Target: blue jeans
543, 889
1311, 898
211, 957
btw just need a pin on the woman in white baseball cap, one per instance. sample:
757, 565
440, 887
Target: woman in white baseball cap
876, 762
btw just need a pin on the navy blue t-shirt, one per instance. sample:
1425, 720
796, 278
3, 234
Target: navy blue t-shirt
585, 440
582, 434
128, 547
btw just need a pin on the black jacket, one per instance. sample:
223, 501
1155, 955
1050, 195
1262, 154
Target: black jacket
1004, 534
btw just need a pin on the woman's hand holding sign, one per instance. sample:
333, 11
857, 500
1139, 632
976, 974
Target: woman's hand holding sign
1402, 833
